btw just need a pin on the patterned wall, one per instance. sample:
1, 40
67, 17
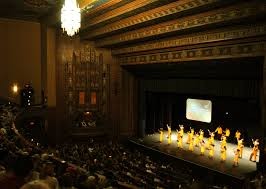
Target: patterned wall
86, 82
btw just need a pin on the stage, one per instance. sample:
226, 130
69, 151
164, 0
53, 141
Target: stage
245, 167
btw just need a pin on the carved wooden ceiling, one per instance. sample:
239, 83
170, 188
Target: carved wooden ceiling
146, 25
133, 26
27, 9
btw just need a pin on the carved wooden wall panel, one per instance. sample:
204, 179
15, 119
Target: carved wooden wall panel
86, 81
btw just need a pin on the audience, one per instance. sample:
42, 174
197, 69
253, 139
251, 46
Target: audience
98, 165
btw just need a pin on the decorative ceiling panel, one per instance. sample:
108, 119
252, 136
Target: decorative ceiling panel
27, 9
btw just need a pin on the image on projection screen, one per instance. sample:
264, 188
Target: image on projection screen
199, 110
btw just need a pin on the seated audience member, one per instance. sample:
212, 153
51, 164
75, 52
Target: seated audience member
67, 181
15, 177
47, 174
36, 184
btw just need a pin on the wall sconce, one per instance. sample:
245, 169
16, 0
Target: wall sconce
15, 88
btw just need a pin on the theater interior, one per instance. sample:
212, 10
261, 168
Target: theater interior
163, 94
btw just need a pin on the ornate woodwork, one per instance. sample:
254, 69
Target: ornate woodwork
227, 15
172, 9
133, 7
86, 82
197, 38
251, 49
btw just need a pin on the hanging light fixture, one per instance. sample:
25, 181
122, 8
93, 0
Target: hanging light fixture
70, 17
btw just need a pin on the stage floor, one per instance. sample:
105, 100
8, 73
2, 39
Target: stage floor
245, 166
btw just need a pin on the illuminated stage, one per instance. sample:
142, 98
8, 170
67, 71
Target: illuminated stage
245, 167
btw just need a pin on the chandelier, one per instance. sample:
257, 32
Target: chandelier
70, 17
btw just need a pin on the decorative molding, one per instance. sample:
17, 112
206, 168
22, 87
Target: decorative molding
160, 12
213, 17
37, 3
217, 52
89, 9
203, 37
132, 6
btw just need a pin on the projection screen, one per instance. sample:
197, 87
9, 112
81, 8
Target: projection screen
199, 110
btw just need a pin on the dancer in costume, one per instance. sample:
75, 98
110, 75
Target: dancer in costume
223, 141
211, 151
169, 130
223, 153
240, 146
202, 147
179, 139
181, 130
219, 131
201, 134
255, 149
236, 157
237, 135
196, 140
161, 134
169, 140
211, 139
190, 135
191, 145
227, 132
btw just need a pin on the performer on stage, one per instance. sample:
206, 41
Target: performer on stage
223, 153
197, 140
179, 139
219, 131
190, 135
254, 153
236, 157
201, 134
202, 147
240, 146
223, 141
191, 145
181, 130
161, 135
169, 130
211, 139
237, 135
169, 140
211, 151
227, 132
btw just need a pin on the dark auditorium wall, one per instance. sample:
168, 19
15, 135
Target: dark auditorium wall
20, 52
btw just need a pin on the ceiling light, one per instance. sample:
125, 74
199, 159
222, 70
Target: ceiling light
70, 17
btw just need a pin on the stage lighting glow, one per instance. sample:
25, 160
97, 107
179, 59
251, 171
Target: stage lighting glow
199, 110
174, 137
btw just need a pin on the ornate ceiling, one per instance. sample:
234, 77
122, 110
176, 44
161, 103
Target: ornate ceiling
27, 9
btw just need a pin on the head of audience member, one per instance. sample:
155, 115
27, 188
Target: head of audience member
22, 166
36, 184
47, 169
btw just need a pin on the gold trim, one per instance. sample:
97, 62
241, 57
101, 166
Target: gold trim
212, 17
166, 10
218, 52
203, 37
116, 12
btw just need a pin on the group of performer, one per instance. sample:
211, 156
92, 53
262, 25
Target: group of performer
196, 139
